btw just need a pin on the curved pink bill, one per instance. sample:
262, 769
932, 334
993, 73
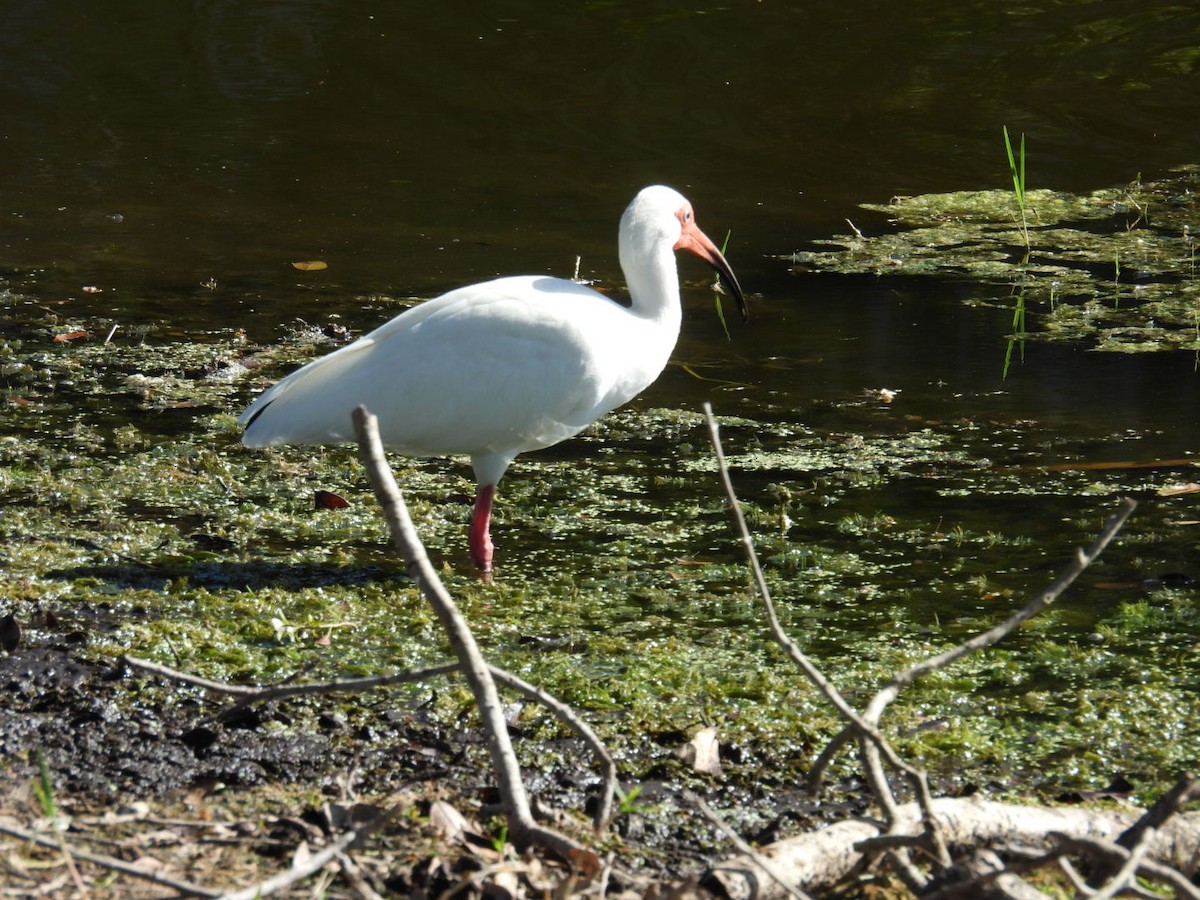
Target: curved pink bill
697, 243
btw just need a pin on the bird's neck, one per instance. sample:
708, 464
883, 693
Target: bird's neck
653, 286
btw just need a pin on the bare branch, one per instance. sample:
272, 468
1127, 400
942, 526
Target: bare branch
736, 839
567, 716
108, 862
875, 708
1186, 790
1112, 854
521, 825
314, 864
869, 735
816, 772
250, 694
1029, 862
1082, 559
354, 875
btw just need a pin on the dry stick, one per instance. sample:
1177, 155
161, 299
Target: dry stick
1112, 854
1128, 871
335, 851
567, 716
816, 772
868, 733
1029, 862
867, 726
314, 864
1108, 879
521, 825
109, 862
874, 709
1184, 791
736, 839
354, 875
249, 694
1083, 559
1114, 863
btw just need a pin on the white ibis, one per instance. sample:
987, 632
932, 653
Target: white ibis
495, 369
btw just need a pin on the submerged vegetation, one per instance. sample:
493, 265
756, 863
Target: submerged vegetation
132, 515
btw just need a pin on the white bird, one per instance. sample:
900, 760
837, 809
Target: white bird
502, 367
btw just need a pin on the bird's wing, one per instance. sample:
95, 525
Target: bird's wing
504, 366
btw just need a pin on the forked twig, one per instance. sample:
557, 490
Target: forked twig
285, 879
1083, 558
1116, 856
868, 734
248, 695
1109, 878
866, 725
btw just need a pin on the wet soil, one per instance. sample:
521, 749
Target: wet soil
161, 771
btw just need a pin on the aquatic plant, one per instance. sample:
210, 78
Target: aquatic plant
1082, 251
1016, 167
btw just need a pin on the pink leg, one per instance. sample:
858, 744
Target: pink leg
481, 520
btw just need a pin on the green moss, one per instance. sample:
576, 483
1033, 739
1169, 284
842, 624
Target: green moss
1115, 268
131, 511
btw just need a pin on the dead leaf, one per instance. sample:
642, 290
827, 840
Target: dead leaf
329, 500
505, 885
447, 820
128, 812
150, 865
312, 265
585, 862
69, 336
703, 752
302, 855
161, 837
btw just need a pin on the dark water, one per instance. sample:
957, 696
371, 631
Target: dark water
147, 149
419, 146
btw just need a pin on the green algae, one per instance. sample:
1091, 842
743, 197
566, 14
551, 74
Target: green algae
1115, 268
131, 511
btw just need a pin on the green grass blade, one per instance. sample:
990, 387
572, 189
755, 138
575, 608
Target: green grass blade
1022, 190
1015, 168
43, 789
717, 294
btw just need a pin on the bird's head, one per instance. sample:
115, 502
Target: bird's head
661, 215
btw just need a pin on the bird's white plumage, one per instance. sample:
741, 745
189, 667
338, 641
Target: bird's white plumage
499, 368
